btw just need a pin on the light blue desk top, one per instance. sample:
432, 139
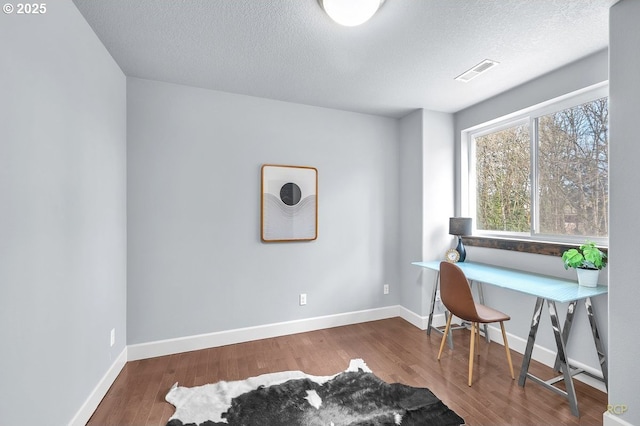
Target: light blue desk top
550, 288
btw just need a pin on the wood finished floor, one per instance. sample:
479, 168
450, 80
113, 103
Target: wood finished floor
395, 350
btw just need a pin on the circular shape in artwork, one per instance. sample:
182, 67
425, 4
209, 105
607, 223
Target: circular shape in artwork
290, 194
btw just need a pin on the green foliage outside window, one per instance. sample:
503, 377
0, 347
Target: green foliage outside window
572, 174
502, 183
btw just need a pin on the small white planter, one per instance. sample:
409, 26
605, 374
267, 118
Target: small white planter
588, 277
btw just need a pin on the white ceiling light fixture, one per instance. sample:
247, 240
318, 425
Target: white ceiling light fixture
472, 73
350, 12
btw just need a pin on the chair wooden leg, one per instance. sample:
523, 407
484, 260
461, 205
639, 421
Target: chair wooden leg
471, 347
446, 333
506, 347
478, 340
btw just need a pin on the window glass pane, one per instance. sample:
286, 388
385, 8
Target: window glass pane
573, 171
503, 189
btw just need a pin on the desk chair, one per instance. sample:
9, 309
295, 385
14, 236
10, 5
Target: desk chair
455, 293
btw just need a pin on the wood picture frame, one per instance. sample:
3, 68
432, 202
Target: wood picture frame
288, 203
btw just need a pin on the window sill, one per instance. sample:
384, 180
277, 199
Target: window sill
524, 246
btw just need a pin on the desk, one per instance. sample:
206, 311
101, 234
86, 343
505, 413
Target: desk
544, 288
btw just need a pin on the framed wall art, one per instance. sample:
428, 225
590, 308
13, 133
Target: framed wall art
289, 203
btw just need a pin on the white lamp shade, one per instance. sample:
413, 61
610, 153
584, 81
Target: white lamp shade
350, 12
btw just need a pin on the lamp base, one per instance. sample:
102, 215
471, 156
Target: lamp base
460, 249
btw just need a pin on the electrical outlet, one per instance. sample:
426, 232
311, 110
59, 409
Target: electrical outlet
385, 289
303, 299
113, 336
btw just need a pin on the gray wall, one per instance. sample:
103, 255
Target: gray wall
426, 194
196, 262
62, 214
411, 213
578, 75
624, 152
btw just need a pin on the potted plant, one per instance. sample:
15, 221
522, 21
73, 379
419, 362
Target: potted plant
587, 260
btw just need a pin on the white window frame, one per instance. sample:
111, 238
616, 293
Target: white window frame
525, 116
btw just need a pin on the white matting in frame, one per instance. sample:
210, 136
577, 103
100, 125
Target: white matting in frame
289, 210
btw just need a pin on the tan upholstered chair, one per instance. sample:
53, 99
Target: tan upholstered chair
457, 298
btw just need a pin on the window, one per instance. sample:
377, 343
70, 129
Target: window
543, 173
503, 188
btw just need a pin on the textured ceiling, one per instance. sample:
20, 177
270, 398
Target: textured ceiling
405, 57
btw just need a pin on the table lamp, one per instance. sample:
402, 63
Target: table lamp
460, 226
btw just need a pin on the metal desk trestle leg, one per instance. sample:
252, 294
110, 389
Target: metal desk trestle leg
562, 363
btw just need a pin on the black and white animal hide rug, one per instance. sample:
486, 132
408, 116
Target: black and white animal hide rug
354, 397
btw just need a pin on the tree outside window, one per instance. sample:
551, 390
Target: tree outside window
573, 177
566, 192
503, 188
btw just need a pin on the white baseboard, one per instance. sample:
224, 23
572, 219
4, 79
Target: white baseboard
609, 419
412, 318
421, 321
239, 335
91, 403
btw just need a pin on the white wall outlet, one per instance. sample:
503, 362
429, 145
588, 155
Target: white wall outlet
113, 336
385, 289
303, 299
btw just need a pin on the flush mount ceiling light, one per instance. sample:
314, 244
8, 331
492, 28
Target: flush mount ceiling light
483, 66
350, 12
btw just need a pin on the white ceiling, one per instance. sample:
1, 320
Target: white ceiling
405, 57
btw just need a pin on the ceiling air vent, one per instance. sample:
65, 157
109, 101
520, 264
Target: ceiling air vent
483, 66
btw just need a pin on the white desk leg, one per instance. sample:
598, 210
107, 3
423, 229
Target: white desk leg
562, 358
433, 302
602, 356
446, 314
566, 330
484, 326
535, 321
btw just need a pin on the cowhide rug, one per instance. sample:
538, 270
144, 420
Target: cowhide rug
353, 397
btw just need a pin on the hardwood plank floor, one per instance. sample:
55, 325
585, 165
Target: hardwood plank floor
395, 350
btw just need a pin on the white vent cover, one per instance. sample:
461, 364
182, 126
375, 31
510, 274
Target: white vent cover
483, 66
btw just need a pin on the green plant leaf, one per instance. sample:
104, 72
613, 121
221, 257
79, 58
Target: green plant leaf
572, 258
587, 256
